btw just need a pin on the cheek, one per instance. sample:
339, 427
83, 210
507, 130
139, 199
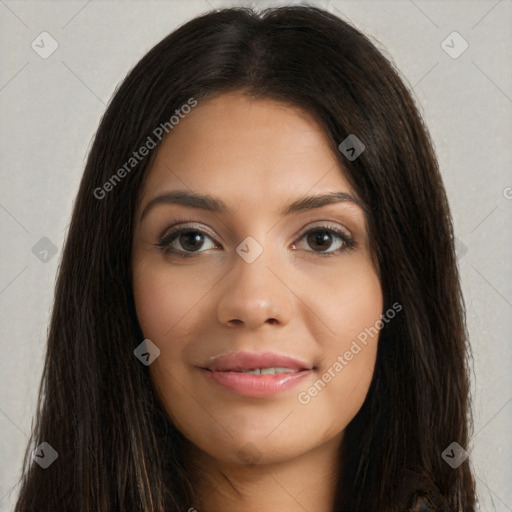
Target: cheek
155, 306
359, 321
164, 306
346, 302
352, 309
164, 300
360, 304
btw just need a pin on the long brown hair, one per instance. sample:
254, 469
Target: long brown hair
117, 449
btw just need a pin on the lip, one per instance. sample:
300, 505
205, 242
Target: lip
226, 371
242, 361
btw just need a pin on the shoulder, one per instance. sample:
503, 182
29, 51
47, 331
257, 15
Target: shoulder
419, 493
419, 502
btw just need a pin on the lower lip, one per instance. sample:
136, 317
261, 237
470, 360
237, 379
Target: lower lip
259, 386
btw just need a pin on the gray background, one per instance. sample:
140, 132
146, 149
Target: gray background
51, 108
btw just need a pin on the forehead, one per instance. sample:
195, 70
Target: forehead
246, 150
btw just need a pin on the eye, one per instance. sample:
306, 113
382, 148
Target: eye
185, 241
188, 241
327, 240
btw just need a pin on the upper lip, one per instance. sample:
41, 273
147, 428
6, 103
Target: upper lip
242, 361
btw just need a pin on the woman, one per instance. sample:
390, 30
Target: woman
258, 305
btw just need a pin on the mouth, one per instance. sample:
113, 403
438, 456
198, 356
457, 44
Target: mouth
256, 374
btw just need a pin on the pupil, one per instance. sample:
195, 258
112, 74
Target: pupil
321, 239
191, 238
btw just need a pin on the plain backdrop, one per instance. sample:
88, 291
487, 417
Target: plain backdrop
51, 107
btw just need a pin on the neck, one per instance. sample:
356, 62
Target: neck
305, 482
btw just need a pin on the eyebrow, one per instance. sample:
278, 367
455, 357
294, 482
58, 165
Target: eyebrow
207, 202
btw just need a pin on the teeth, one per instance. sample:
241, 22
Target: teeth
269, 371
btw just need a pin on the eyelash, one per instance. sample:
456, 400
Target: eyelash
173, 233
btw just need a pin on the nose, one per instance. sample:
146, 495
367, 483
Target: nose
254, 294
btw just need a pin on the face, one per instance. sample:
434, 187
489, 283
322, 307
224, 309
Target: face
254, 277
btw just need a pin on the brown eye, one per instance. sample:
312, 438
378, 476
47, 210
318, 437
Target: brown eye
327, 241
190, 240
185, 241
319, 240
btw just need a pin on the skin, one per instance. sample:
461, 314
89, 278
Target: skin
256, 155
